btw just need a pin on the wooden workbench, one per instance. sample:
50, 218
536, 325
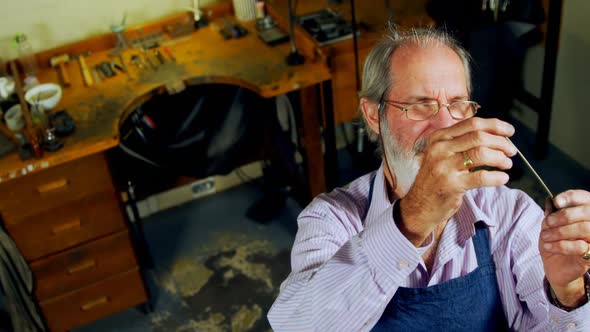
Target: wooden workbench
203, 57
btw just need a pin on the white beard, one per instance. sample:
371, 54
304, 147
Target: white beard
403, 164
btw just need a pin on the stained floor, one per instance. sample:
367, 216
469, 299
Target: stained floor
214, 269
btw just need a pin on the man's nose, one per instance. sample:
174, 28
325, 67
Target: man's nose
443, 118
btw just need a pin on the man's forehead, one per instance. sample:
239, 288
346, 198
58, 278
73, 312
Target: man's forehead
428, 68
413, 53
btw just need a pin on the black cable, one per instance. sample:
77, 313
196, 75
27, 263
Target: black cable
389, 11
356, 47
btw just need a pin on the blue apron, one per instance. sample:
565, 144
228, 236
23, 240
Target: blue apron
468, 303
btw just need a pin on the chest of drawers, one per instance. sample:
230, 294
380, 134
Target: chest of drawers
68, 224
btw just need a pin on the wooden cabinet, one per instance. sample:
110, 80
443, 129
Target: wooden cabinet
97, 300
68, 224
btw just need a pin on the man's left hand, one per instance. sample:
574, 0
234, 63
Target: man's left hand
564, 238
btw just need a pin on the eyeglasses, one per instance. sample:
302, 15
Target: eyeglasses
459, 110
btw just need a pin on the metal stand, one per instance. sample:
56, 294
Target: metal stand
294, 58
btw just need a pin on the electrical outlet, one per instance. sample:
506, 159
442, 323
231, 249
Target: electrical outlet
203, 187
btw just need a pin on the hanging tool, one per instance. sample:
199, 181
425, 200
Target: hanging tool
86, 75
60, 62
138, 61
169, 54
118, 65
135, 61
149, 59
160, 57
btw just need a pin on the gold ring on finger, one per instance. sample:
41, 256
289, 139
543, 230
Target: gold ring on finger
467, 162
586, 255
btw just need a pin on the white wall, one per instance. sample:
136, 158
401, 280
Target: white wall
50, 23
570, 122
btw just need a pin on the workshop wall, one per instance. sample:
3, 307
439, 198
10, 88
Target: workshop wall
50, 23
571, 116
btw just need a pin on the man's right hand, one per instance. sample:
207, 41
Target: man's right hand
443, 179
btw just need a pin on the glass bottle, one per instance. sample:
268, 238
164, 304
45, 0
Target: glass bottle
27, 60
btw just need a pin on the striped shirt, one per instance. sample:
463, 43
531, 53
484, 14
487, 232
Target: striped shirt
349, 258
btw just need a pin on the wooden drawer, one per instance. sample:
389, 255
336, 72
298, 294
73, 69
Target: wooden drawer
68, 225
82, 266
53, 187
95, 301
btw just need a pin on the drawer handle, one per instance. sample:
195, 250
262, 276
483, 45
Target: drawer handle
74, 224
82, 266
53, 186
91, 304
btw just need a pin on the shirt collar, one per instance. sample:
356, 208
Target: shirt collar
468, 214
379, 200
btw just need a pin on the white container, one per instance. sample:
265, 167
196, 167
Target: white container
46, 95
245, 10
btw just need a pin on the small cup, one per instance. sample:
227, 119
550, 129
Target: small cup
14, 118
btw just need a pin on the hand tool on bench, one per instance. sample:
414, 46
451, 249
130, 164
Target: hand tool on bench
86, 74
60, 62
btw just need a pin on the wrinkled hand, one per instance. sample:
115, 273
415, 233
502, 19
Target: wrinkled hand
564, 238
442, 180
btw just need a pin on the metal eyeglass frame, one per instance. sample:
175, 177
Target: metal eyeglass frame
382, 104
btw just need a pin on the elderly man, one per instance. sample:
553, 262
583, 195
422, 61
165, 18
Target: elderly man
425, 242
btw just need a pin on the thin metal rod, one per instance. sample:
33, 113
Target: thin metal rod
532, 169
292, 27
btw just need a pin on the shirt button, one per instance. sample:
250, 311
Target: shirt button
571, 326
403, 264
555, 319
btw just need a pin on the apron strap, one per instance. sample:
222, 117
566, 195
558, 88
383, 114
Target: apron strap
481, 243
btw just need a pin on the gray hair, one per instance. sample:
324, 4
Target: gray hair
377, 81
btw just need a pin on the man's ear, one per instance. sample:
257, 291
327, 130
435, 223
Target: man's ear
370, 111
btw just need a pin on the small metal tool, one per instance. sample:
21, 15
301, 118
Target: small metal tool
160, 57
153, 63
530, 167
232, 28
118, 67
169, 53
107, 69
121, 66
226, 34
138, 61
